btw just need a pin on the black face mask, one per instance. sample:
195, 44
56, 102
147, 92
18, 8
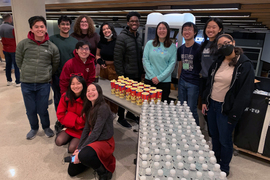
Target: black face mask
226, 50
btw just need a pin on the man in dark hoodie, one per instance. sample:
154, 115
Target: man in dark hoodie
128, 57
38, 59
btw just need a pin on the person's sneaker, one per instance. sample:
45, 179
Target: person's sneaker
18, 85
49, 132
124, 123
32, 134
9, 83
135, 128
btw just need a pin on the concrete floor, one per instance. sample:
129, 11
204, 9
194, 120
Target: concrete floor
41, 159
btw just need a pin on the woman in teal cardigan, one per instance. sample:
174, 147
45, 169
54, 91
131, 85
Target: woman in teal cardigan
159, 58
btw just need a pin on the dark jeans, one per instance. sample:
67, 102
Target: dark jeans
221, 132
165, 86
56, 91
10, 59
35, 96
88, 158
190, 93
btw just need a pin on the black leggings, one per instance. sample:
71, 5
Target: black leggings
88, 158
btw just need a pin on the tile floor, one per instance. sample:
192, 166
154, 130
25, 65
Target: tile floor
41, 159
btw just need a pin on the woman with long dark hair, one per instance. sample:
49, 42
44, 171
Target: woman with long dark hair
212, 29
69, 113
228, 92
96, 145
159, 58
105, 55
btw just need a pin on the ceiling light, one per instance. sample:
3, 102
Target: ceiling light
254, 28
172, 10
109, 11
215, 9
240, 20
230, 16
148, 10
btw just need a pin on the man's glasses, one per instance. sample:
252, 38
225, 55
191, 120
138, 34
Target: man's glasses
76, 74
84, 49
64, 24
224, 43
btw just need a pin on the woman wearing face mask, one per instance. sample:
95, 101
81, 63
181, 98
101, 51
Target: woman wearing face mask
159, 58
69, 113
228, 92
104, 55
84, 30
97, 144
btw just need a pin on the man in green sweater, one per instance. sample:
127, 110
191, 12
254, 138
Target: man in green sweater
66, 45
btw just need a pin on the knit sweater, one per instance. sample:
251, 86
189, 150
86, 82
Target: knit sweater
159, 61
103, 129
66, 47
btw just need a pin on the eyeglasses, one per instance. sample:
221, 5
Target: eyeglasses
84, 49
188, 30
132, 21
65, 24
224, 43
76, 74
83, 22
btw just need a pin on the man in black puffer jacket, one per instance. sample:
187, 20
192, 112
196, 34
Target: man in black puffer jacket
128, 57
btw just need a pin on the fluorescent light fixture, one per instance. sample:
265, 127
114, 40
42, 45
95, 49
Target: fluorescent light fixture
254, 28
109, 11
241, 20
171, 10
148, 10
215, 9
230, 16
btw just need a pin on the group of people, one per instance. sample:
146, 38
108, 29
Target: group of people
216, 71
67, 64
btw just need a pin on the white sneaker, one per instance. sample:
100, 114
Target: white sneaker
18, 85
9, 83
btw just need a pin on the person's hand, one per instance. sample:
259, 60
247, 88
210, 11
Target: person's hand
103, 66
76, 161
204, 109
155, 80
76, 152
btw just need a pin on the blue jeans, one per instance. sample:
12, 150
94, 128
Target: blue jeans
221, 132
190, 93
56, 91
35, 96
10, 59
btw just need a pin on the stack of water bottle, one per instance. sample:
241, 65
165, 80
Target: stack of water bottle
171, 145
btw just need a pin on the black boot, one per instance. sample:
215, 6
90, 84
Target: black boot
58, 127
103, 173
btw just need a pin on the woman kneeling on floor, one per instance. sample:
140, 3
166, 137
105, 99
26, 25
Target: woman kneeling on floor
69, 113
96, 145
